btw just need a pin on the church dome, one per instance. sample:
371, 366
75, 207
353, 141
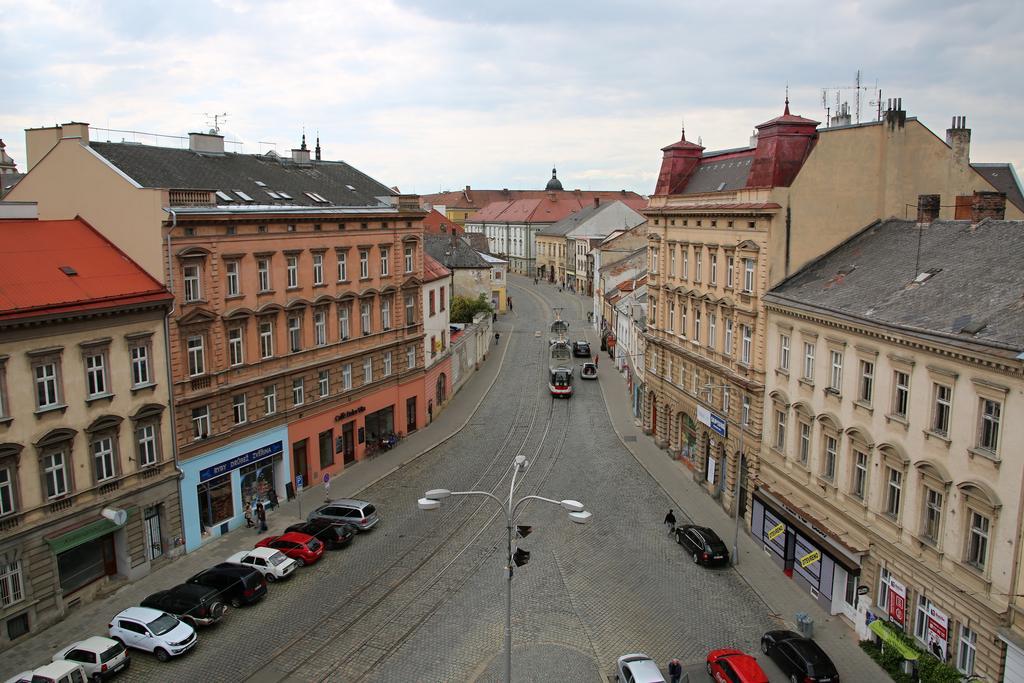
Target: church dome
554, 184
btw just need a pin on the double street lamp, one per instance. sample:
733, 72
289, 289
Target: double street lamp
744, 421
432, 501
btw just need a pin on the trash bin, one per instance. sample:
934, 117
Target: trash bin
804, 624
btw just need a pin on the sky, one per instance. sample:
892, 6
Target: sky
435, 95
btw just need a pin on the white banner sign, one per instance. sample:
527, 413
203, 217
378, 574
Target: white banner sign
711, 469
938, 632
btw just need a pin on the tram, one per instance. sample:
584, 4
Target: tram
560, 360
560, 384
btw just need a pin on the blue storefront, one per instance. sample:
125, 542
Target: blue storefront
217, 487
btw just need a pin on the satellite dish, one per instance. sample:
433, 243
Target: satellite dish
118, 517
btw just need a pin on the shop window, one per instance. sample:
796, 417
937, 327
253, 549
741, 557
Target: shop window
17, 626
257, 482
87, 563
326, 440
216, 502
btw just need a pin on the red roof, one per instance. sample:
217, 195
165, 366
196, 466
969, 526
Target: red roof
436, 223
433, 269
96, 274
551, 208
478, 199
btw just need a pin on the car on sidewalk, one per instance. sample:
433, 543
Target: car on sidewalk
153, 631
302, 548
588, 371
333, 535
272, 563
703, 544
237, 585
637, 668
100, 657
581, 349
734, 666
194, 604
359, 513
59, 672
799, 658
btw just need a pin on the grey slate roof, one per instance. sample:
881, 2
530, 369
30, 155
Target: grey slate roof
182, 169
453, 252
8, 181
976, 282
569, 223
720, 176
1004, 178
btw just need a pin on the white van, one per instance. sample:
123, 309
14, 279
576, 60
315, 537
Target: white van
59, 672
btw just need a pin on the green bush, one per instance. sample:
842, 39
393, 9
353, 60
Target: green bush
930, 669
463, 309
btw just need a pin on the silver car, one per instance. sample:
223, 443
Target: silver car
359, 513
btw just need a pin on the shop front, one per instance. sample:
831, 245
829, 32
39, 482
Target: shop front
806, 552
217, 487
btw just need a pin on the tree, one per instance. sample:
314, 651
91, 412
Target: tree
463, 308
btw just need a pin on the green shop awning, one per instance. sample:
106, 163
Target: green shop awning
892, 639
83, 534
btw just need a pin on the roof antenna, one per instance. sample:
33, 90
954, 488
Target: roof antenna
318, 145
303, 145
683, 127
786, 112
217, 119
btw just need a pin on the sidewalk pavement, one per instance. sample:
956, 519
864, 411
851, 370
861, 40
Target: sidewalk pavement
92, 618
781, 594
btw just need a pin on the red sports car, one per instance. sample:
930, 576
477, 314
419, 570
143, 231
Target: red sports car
734, 666
302, 548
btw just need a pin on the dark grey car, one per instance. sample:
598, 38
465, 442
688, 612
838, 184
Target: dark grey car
359, 513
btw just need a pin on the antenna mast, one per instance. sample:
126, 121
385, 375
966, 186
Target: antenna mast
215, 121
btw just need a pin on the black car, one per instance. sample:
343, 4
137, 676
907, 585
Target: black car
198, 605
333, 535
799, 658
236, 584
703, 544
581, 349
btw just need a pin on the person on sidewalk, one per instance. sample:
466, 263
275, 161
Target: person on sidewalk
596, 356
670, 521
675, 670
272, 499
261, 515
248, 517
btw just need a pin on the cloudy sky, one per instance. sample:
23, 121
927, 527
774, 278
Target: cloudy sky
430, 95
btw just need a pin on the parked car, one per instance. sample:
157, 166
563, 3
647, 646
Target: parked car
23, 677
192, 603
59, 672
153, 631
581, 349
271, 563
333, 535
302, 548
703, 544
588, 371
359, 513
799, 658
237, 585
734, 666
637, 668
100, 657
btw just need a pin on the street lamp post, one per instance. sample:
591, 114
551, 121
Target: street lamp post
432, 501
744, 420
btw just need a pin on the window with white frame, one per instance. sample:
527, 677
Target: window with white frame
989, 414
900, 393
410, 309
745, 412
671, 316
323, 383
867, 382
320, 327
295, 332
686, 262
96, 374
298, 391
746, 343
729, 270
931, 525
196, 355
748, 275
385, 257
408, 259
346, 376
385, 312
725, 400
698, 264
364, 317
193, 289
270, 399
831, 453
293, 271
728, 337
780, 430
263, 274
893, 492
239, 409
671, 260
784, 352
233, 284
266, 339
387, 363
342, 266
884, 576
103, 458
47, 384
696, 325
367, 370
712, 330
55, 474
713, 257
682, 321
859, 487
835, 380
809, 361
942, 408
146, 443
318, 269
364, 264
11, 584
977, 538
236, 355
343, 321
200, 423
139, 354
921, 618
410, 357
7, 499
967, 650
805, 442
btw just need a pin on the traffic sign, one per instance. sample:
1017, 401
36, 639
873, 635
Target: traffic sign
714, 421
327, 477
810, 558
298, 481
775, 531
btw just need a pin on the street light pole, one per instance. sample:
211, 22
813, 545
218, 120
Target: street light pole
432, 501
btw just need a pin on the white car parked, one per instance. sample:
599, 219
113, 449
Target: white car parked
270, 562
59, 672
153, 631
100, 657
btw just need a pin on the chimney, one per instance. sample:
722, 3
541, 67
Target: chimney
206, 143
75, 130
895, 116
928, 206
301, 155
753, 138
842, 116
958, 137
988, 205
678, 162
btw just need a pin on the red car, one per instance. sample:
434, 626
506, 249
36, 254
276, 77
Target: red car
302, 548
734, 666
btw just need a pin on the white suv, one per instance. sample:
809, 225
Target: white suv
270, 562
153, 631
100, 657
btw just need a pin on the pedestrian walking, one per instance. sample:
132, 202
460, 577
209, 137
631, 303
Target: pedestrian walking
596, 358
494, 317
510, 304
248, 517
261, 515
675, 670
670, 521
